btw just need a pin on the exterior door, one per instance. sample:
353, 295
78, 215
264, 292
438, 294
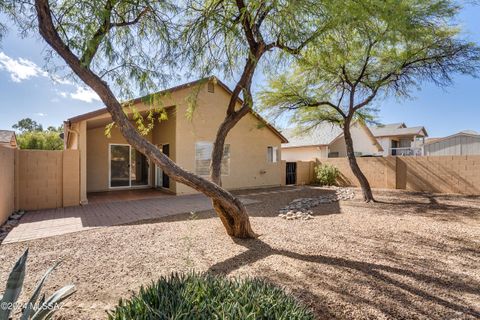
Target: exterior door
165, 178
291, 176
162, 180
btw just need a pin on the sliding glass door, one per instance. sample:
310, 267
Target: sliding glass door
128, 167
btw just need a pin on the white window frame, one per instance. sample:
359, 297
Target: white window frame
227, 173
274, 158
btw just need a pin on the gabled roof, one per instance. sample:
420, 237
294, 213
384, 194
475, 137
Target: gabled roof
398, 129
464, 133
6, 136
323, 134
101, 111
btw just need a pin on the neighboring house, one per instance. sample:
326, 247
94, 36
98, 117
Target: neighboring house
397, 139
252, 150
8, 138
326, 141
462, 143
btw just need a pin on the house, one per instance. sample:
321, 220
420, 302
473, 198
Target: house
251, 157
8, 138
326, 141
465, 142
397, 139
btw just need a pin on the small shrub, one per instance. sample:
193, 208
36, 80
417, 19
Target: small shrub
326, 174
205, 296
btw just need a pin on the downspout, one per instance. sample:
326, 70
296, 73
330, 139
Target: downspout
67, 128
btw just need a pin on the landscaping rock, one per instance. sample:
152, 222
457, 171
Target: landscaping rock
298, 209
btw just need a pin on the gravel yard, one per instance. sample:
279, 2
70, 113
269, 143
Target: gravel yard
408, 256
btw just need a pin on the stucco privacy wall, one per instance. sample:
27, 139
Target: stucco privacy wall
442, 174
380, 172
7, 182
47, 179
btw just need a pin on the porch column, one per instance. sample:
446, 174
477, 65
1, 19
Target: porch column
82, 146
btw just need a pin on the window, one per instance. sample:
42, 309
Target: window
272, 154
203, 157
333, 155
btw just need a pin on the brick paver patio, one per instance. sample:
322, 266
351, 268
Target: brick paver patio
47, 223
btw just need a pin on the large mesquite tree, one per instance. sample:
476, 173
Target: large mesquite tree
130, 44
234, 35
378, 48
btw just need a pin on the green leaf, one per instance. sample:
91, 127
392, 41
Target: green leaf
29, 309
14, 286
50, 305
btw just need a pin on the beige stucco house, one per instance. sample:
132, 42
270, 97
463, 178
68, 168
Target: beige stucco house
326, 141
397, 139
251, 158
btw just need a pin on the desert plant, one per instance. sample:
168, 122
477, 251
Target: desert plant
205, 296
326, 174
31, 310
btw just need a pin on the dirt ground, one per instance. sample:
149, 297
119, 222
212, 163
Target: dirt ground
408, 256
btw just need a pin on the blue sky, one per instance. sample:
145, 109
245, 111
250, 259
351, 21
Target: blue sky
28, 91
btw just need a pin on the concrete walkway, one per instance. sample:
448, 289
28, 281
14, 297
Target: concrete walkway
47, 223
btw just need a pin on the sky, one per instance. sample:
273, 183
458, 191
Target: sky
27, 90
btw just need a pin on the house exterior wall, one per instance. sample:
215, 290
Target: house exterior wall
457, 145
7, 182
248, 141
304, 153
361, 143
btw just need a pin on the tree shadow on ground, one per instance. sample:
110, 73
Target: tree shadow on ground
445, 207
258, 250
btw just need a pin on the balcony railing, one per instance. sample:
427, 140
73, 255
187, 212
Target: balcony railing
406, 151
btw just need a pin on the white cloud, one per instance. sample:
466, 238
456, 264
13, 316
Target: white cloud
23, 69
40, 114
20, 69
83, 94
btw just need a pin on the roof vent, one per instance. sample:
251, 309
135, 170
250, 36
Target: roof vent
211, 87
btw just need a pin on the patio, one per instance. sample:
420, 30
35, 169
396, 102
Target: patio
107, 209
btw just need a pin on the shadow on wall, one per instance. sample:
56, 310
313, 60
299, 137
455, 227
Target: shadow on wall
423, 174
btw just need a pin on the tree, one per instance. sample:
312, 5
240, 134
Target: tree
27, 125
377, 49
41, 140
129, 42
225, 34
91, 38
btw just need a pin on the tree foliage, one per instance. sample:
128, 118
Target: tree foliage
378, 48
374, 49
37, 138
27, 125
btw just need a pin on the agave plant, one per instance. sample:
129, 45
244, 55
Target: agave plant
35, 309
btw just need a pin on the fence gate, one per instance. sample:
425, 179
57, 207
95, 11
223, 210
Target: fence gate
291, 175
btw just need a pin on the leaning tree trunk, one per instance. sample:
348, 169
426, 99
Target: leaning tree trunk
352, 160
229, 208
